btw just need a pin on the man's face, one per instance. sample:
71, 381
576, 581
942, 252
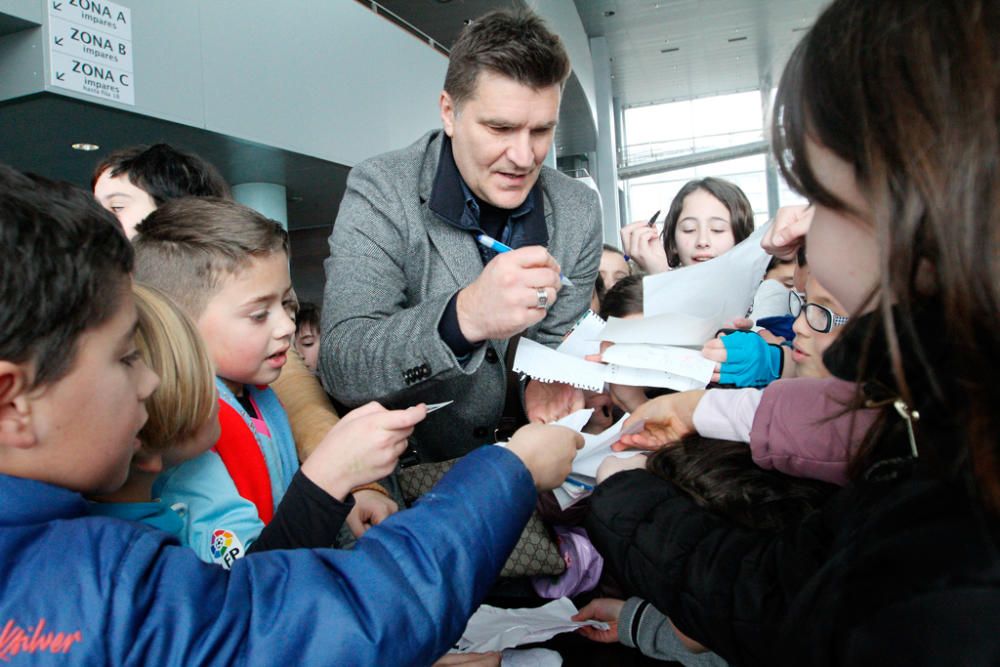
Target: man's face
87, 422
129, 203
246, 324
500, 136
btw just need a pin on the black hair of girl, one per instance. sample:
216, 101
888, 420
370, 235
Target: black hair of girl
308, 316
721, 476
923, 144
740, 212
624, 298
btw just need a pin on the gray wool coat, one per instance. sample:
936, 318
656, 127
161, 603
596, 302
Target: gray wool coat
392, 269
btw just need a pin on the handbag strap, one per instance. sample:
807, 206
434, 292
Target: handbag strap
513, 416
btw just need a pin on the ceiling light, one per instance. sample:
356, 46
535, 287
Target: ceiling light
671, 49
738, 39
83, 146
609, 12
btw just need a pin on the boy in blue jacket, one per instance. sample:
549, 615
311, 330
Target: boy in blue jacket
97, 590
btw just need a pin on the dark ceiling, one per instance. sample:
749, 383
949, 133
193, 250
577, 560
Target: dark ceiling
36, 134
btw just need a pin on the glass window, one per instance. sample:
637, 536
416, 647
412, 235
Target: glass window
661, 131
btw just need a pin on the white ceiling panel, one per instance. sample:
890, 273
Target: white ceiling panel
668, 50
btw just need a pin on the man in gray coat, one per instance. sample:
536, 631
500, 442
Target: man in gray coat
417, 308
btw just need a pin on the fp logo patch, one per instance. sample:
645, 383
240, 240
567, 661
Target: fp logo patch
225, 547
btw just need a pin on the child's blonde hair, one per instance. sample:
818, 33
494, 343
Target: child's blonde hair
172, 347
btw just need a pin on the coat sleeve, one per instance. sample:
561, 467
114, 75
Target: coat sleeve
727, 414
723, 586
310, 413
801, 429
373, 337
401, 596
579, 263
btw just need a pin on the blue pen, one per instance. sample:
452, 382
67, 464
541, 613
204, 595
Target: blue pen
493, 244
576, 482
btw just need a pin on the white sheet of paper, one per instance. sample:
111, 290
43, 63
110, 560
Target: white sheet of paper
494, 629
664, 329
584, 338
724, 285
596, 448
576, 420
547, 365
564, 497
677, 360
643, 377
437, 406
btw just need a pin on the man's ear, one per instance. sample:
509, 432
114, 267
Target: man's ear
15, 407
448, 112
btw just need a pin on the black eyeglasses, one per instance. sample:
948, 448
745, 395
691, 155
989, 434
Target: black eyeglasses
819, 318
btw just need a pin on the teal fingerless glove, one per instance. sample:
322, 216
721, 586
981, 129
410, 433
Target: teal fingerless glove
750, 360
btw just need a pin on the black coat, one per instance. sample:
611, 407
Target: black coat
900, 567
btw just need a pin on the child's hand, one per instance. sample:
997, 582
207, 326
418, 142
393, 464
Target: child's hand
788, 233
668, 419
715, 350
547, 452
745, 359
643, 245
370, 509
601, 609
361, 448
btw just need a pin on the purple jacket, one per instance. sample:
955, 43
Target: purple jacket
794, 426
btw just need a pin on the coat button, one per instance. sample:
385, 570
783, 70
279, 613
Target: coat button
480, 432
491, 356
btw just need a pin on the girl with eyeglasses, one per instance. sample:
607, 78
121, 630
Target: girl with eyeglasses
818, 321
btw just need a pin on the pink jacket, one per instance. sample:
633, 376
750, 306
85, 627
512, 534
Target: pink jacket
792, 426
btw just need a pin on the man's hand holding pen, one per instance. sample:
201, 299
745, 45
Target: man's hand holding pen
513, 292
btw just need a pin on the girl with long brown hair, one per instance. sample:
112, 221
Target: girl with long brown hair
887, 119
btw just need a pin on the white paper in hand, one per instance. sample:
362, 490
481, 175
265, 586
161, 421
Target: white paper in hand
724, 285
494, 629
676, 360
665, 329
547, 365
584, 338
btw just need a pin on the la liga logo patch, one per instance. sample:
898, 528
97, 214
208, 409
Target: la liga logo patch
225, 547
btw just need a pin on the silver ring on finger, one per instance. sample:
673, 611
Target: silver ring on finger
543, 298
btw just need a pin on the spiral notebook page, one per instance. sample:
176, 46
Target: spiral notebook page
547, 365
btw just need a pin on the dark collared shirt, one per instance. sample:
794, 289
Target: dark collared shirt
453, 202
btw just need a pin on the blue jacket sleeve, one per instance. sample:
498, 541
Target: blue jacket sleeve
402, 596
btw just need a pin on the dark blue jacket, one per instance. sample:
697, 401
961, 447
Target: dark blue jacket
78, 589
